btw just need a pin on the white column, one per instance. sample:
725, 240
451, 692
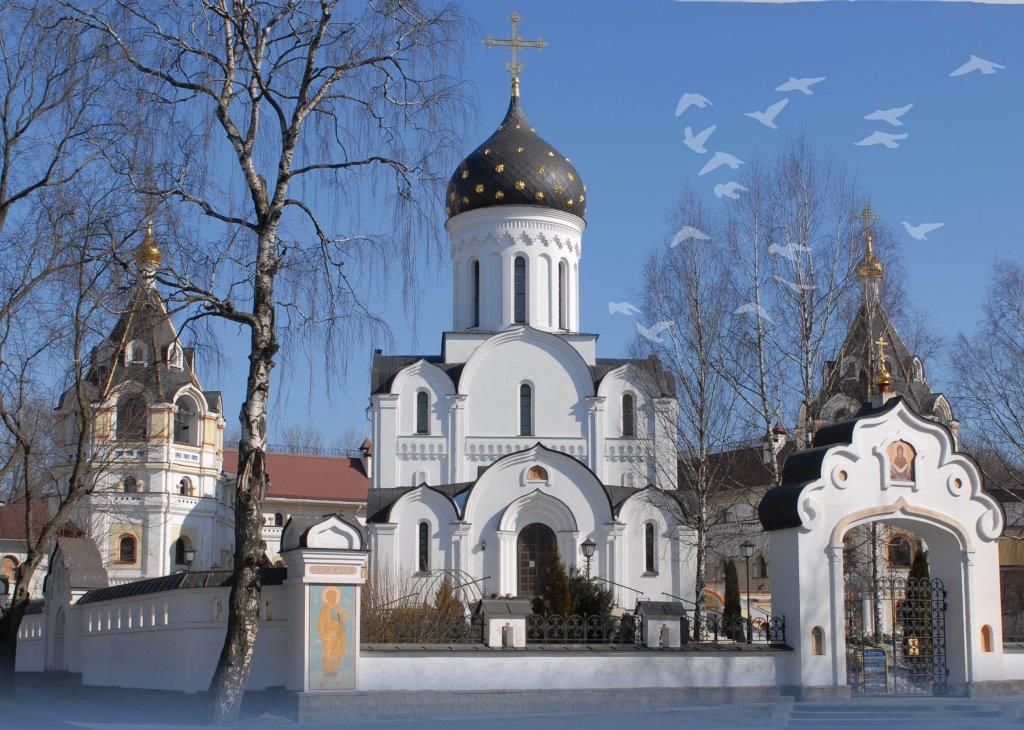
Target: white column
595, 435
385, 437
456, 437
507, 562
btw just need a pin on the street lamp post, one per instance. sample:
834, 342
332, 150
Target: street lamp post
589, 546
190, 557
748, 551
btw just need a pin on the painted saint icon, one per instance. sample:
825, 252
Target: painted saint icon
331, 627
901, 461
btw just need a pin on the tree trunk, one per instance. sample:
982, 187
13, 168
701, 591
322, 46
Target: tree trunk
10, 624
228, 685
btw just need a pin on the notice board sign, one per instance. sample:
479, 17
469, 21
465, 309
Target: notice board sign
876, 671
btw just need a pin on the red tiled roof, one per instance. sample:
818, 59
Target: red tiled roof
305, 476
12, 520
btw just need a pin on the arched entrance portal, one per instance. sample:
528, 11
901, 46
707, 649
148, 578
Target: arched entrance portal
535, 548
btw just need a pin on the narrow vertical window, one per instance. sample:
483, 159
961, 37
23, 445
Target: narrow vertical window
628, 416
525, 410
423, 558
649, 566
563, 299
422, 412
474, 272
519, 273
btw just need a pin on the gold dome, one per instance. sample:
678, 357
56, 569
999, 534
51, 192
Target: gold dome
148, 252
870, 267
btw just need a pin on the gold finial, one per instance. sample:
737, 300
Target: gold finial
147, 253
515, 66
884, 378
869, 267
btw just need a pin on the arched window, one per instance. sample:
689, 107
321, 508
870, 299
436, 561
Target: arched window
519, 289
181, 547
525, 410
760, 567
563, 295
130, 485
422, 412
537, 473
423, 548
628, 416
278, 519
474, 272
185, 488
900, 552
175, 358
817, 641
650, 551
131, 418
186, 421
126, 549
136, 353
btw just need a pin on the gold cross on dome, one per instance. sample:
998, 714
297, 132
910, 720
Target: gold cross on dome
881, 348
515, 66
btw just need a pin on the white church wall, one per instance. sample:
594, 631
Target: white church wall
673, 574
459, 671
433, 508
31, 654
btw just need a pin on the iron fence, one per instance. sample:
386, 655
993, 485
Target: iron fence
1013, 628
573, 629
718, 629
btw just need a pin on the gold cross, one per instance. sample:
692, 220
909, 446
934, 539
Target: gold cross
515, 66
866, 215
881, 349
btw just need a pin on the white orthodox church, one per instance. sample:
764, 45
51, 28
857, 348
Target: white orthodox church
517, 442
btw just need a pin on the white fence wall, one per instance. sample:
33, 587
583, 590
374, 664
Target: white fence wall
169, 640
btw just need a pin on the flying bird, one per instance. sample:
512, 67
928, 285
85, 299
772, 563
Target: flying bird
892, 116
622, 308
789, 251
686, 233
653, 333
696, 142
718, 159
730, 190
798, 288
976, 64
883, 138
690, 99
921, 231
754, 310
767, 117
804, 85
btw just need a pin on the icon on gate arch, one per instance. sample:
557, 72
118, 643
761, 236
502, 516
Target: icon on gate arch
901, 461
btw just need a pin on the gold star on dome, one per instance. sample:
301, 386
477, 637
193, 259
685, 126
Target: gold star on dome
559, 190
538, 196
479, 187
465, 200
499, 195
487, 151
519, 149
451, 196
465, 174
500, 167
571, 176
520, 185
569, 202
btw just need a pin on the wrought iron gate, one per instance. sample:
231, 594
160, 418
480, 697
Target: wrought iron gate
896, 636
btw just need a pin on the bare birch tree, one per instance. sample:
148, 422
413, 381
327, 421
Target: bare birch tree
683, 302
272, 116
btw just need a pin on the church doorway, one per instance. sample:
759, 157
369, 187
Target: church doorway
535, 549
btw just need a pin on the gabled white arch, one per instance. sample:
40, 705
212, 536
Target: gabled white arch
567, 354
538, 506
438, 379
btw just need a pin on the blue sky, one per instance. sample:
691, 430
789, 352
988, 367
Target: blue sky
604, 93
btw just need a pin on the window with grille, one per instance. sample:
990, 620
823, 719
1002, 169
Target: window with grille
525, 410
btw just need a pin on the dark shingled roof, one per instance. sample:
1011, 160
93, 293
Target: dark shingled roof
514, 166
35, 607
660, 608
386, 367
179, 581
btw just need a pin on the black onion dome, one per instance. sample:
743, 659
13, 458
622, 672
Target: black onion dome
515, 166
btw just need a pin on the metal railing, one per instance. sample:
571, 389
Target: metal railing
574, 629
1013, 628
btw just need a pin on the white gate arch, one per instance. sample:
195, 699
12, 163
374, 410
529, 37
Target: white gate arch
885, 464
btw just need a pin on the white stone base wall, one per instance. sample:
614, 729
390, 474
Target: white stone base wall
462, 671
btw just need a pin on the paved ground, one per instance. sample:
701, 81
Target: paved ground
69, 711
